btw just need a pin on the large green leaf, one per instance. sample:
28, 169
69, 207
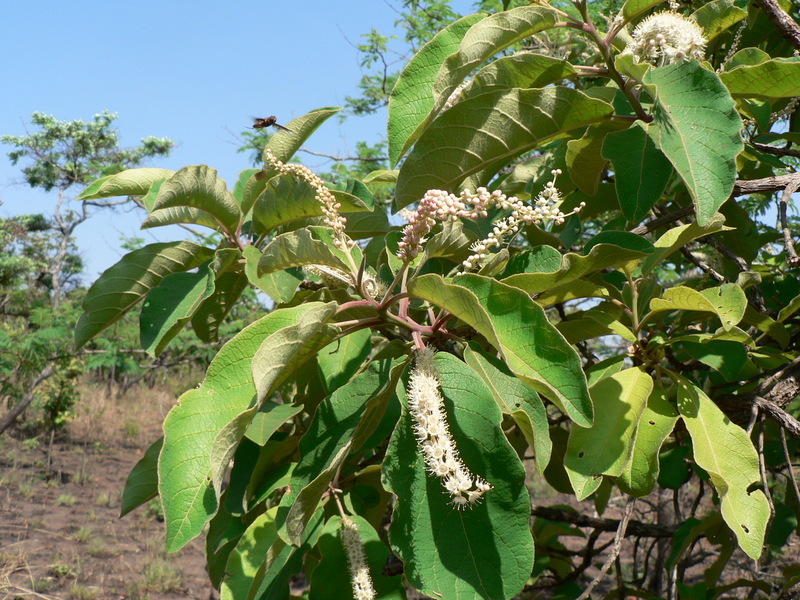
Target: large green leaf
412, 97
142, 482
298, 248
657, 422
525, 70
606, 447
284, 144
131, 182
641, 171
677, 237
192, 425
518, 328
197, 187
584, 157
727, 302
330, 580
247, 557
339, 361
325, 446
516, 399
229, 287
726, 452
446, 551
717, 16
485, 40
776, 78
633, 8
698, 129
482, 134
286, 199
613, 249
123, 285
278, 285
168, 307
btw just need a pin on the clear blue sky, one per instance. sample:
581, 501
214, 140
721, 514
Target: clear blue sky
190, 71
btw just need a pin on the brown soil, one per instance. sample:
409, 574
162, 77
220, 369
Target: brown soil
60, 532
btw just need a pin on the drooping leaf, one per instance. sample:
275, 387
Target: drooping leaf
679, 236
584, 157
245, 187
192, 425
515, 398
340, 359
727, 454
775, 78
633, 8
641, 171
199, 188
412, 97
446, 550
278, 285
717, 16
229, 287
727, 301
330, 580
131, 182
611, 250
697, 128
518, 328
168, 307
606, 447
657, 422
299, 248
482, 134
142, 482
123, 285
286, 199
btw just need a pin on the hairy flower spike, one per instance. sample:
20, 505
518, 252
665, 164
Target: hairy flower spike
426, 406
665, 38
356, 561
330, 207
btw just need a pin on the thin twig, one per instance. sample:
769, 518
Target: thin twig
343, 158
789, 29
618, 537
789, 465
788, 243
635, 528
702, 265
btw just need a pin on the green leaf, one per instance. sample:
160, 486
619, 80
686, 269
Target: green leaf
284, 144
633, 8
484, 133
776, 330
339, 360
198, 188
612, 250
298, 248
606, 447
192, 425
142, 482
486, 39
515, 398
728, 358
727, 301
412, 98
698, 129
229, 287
269, 419
584, 158
286, 199
776, 78
641, 171
123, 285
526, 70
518, 328
727, 454
677, 237
445, 550
247, 557
657, 422
131, 182
168, 307
278, 285
717, 16
325, 446
245, 187
330, 580
452, 242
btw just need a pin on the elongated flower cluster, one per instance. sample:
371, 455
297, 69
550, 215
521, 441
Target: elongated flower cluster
330, 206
544, 208
665, 38
356, 561
426, 406
438, 205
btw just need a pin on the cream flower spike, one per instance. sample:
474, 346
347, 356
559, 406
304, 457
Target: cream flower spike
426, 406
356, 561
666, 38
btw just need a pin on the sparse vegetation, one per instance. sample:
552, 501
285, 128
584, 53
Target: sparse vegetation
65, 500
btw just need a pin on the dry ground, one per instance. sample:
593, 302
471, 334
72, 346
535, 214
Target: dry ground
60, 532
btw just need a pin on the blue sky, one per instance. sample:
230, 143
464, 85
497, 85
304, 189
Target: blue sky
190, 71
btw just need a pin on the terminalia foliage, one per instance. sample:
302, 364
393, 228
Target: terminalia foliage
407, 408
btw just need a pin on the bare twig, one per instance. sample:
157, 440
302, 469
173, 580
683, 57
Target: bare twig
768, 184
789, 29
620, 535
343, 158
767, 149
702, 265
788, 243
635, 528
789, 465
